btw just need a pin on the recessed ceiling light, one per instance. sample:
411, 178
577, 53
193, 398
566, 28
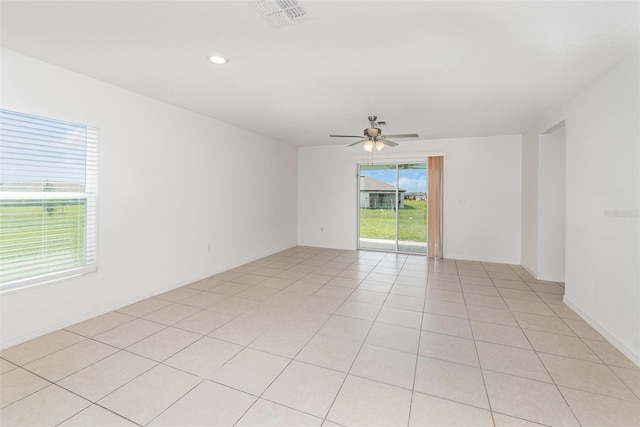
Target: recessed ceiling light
218, 59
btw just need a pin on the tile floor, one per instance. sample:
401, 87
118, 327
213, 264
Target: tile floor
325, 337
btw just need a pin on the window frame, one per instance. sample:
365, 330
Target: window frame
89, 196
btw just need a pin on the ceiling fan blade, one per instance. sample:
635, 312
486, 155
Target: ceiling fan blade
357, 142
390, 143
346, 136
403, 135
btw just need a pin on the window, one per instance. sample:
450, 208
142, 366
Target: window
48, 199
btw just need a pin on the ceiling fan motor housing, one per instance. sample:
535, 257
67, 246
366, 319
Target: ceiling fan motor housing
372, 132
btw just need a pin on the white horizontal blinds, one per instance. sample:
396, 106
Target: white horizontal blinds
48, 199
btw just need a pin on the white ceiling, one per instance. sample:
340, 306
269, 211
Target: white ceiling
442, 69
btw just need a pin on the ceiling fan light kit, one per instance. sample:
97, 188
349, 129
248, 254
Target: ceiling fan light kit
374, 136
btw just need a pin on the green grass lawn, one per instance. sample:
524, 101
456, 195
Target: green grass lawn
43, 238
381, 224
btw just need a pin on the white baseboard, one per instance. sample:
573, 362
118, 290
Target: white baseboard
460, 257
635, 358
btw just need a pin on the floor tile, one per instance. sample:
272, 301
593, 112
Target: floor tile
480, 289
500, 334
144, 307
594, 410
362, 402
394, 337
344, 282
583, 329
276, 283
385, 365
429, 411
451, 381
531, 307
96, 381
513, 361
445, 347
368, 297
47, 407
536, 322
172, 314
204, 356
510, 284
145, 397
6, 366
444, 295
207, 404
179, 294
561, 345
586, 376
346, 327
205, 284
563, 311
268, 414
17, 384
359, 310
528, 399
284, 342
402, 302
371, 313
397, 317
163, 344
445, 308
485, 301
204, 322
491, 315
95, 416
240, 331
307, 388
447, 325
69, 360
519, 294
129, 333
321, 304
609, 354
235, 305
330, 352
334, 292
288, 299
205, 300
630, 377
99, 324
444, 285
474, 276
501, 420
250, 371
411, 291
229, 288
29, 351
248, 279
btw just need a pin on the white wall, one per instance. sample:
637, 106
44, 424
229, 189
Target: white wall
551, 206
481, 195
170, 182
602, 176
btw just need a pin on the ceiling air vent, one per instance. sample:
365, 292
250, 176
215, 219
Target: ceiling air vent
281, 13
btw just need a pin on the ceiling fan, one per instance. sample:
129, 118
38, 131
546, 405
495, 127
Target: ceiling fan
374, 137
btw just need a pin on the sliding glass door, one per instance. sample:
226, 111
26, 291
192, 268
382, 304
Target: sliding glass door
392, 201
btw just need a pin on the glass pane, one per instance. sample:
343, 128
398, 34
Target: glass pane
412, 212
377, 202
40, 236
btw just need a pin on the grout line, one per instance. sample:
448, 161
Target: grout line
475, 346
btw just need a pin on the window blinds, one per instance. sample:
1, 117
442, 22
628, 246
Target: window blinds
48, 199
